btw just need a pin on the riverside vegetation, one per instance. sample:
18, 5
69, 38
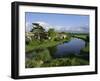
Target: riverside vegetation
41, 46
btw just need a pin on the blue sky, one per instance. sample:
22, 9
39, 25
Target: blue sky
68, 22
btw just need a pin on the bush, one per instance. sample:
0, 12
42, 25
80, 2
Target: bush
57, 39
79, 61
27, 41
57, 62
33, 63
40, 56
34, 42
43, 54
75, 61
65, 62
85, 50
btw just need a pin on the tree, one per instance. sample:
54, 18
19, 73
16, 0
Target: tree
38, 31
52, 33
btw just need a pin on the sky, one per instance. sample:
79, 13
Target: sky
60, 22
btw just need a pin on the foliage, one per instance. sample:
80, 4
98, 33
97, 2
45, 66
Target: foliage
38, 31
27, 41
52, 33
86, 48
65, 62
42, 49
87, 38
57, 39
43, 54
35, 44
39, 57
32, 63
45, 60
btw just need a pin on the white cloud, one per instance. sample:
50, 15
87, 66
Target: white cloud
28, 26
84, 29
44, 24
58, 28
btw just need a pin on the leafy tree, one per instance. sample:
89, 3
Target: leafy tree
52, 33
38, 31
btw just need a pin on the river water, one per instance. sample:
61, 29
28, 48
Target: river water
72, 47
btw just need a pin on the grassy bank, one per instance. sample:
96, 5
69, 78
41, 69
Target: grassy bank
85, 50
43, 44
83, 37
45, 60
41, 55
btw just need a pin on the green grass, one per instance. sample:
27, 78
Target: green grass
57, 62
81, 36
43, 58
39, 57
42, 44
86, 48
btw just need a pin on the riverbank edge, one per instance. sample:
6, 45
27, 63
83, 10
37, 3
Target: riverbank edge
50, 45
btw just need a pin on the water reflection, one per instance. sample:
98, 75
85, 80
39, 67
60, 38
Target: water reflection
72, 47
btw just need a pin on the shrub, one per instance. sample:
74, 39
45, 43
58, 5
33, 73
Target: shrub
43, 55
32, 63
57, 39
40, 56
78, 61
27, 41
57, 62
85, 50
75, 61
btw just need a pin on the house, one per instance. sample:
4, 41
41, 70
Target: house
29, 35
62, 35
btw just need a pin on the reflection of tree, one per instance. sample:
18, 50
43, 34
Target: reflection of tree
52, 50
87, 38
86, 43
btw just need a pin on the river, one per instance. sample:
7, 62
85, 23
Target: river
72, 47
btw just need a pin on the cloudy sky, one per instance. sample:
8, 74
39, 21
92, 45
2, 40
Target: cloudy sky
60, 22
